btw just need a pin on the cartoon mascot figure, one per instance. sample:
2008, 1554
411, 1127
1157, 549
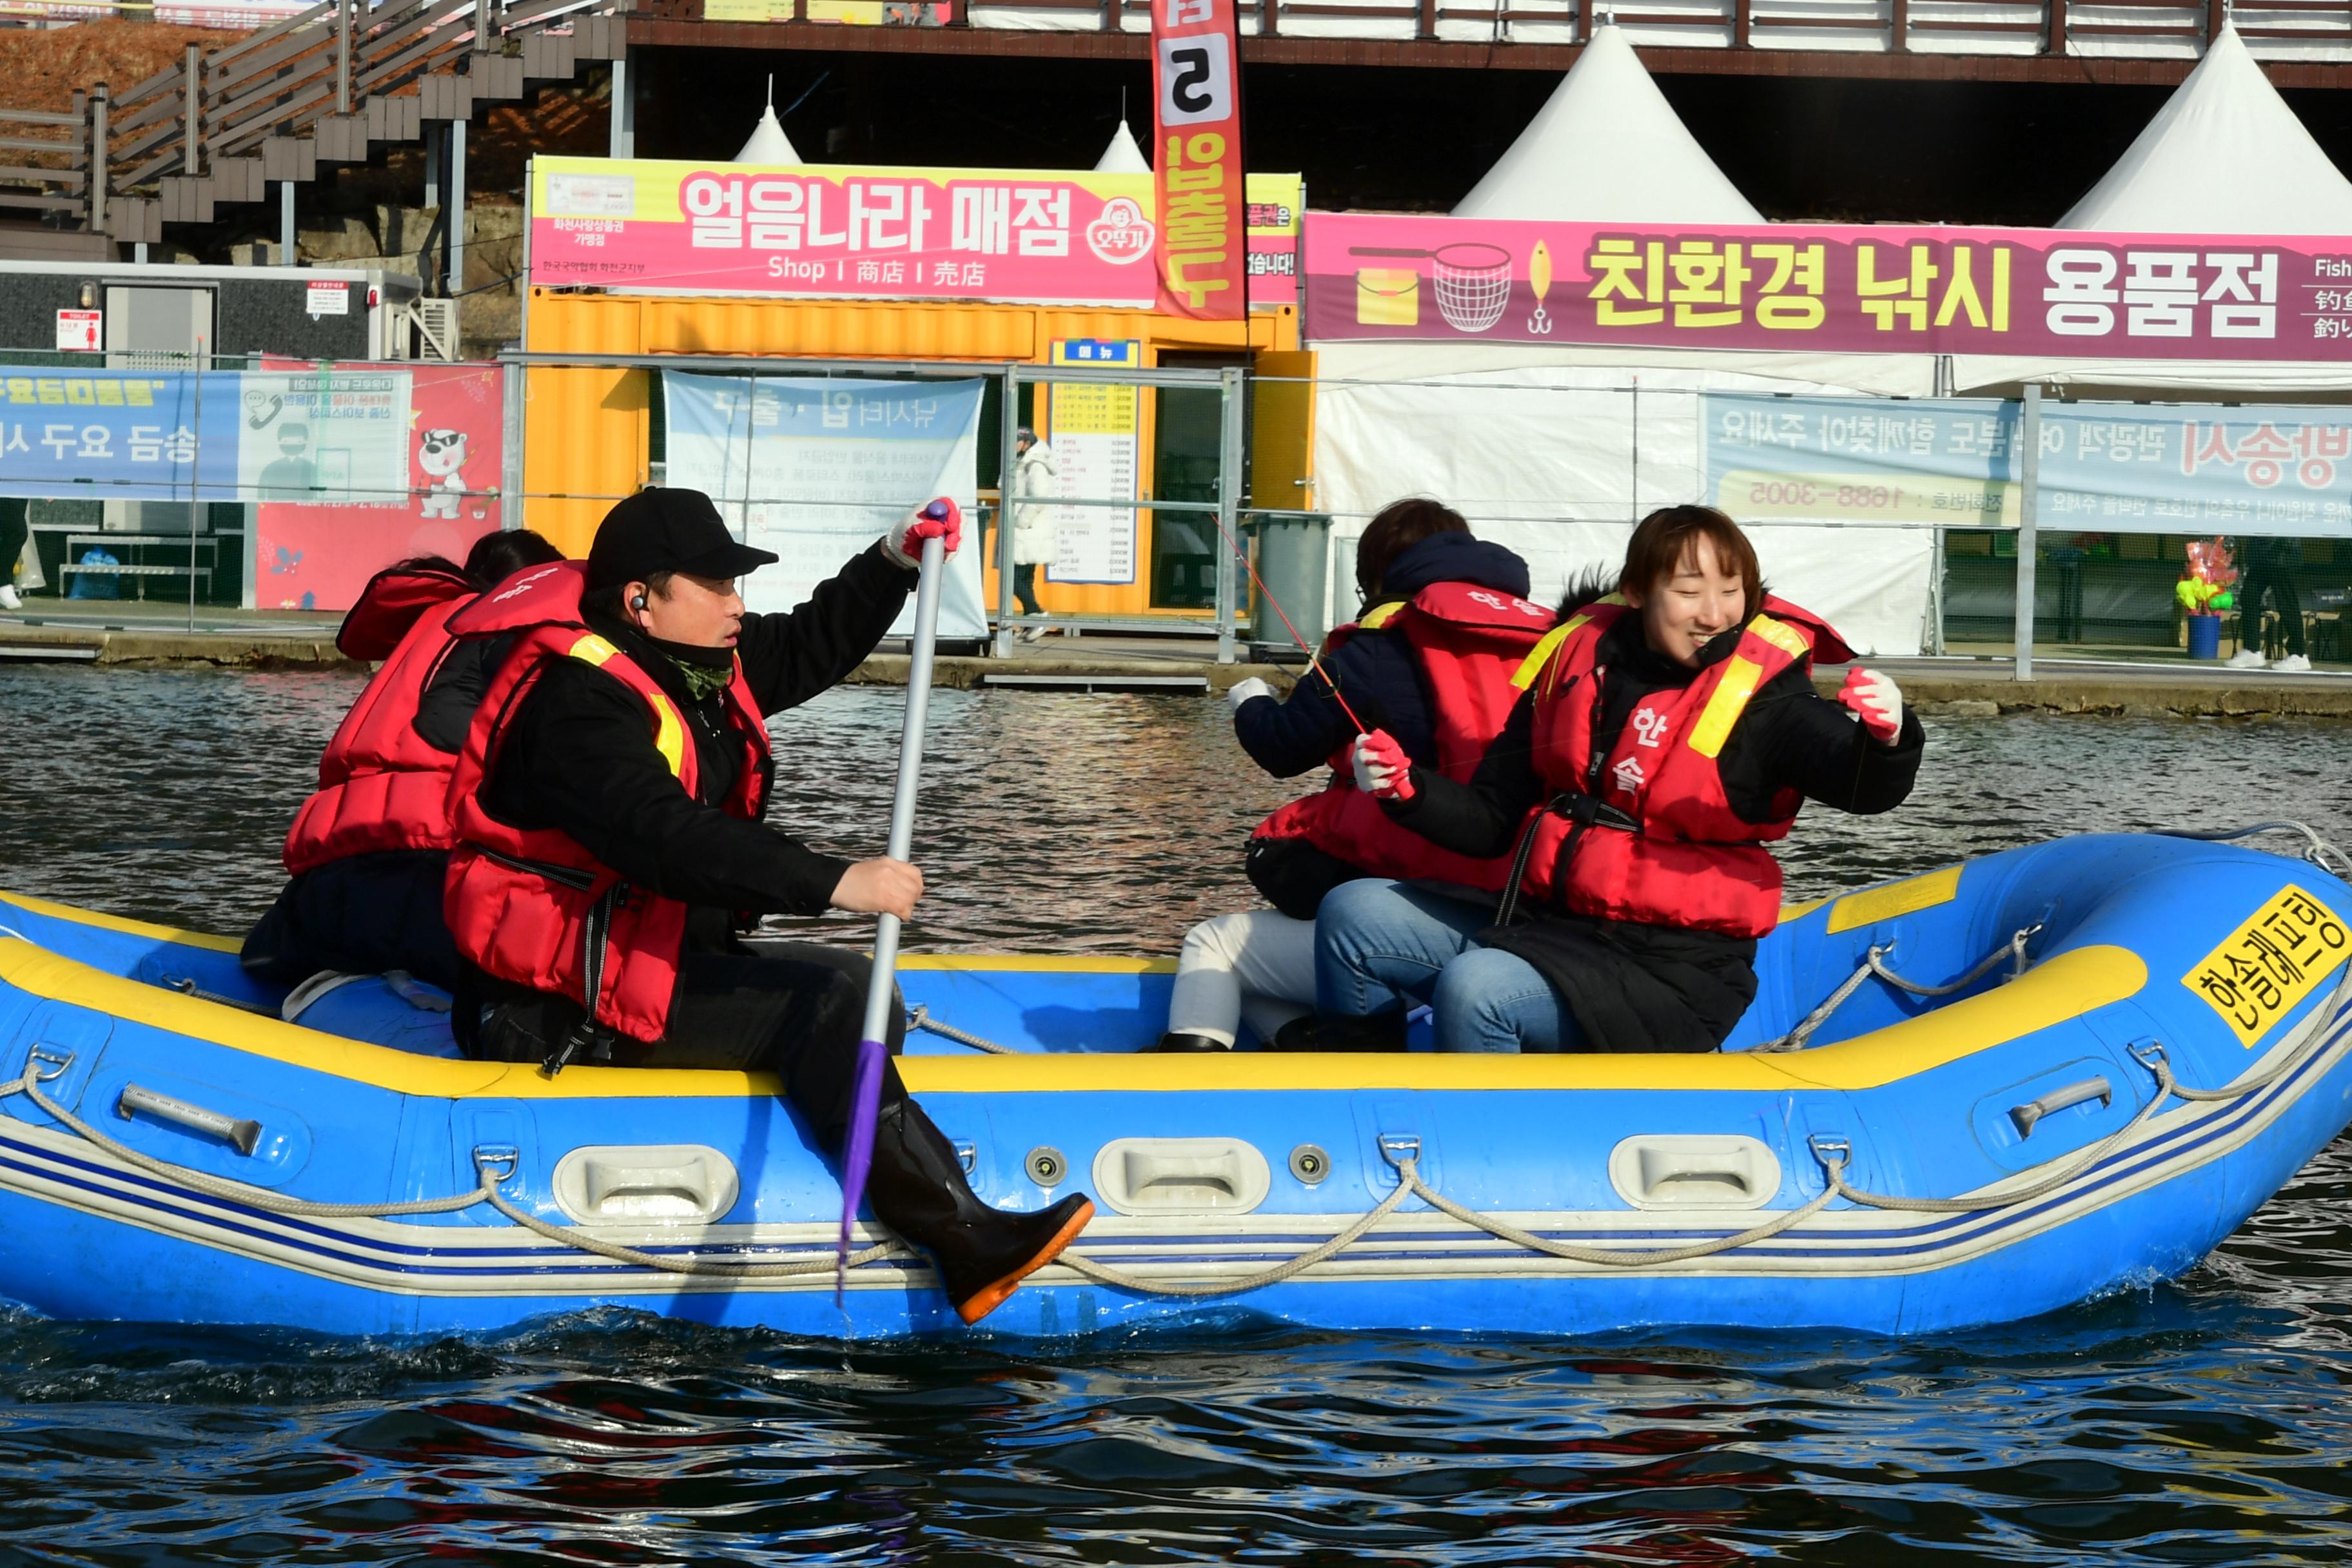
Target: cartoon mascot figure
441, 453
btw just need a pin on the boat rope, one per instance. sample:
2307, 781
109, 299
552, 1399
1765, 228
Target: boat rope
920, 1018
2320, 852
1874, 962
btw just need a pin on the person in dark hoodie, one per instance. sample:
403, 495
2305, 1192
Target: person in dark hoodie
1670, 730
609, 806
367, 851
1445, 622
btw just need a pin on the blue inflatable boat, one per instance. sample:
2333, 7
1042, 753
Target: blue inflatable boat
1970, 1096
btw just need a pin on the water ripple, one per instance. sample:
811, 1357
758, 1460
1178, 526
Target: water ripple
2201, 1422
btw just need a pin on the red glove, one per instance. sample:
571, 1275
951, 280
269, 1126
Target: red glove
1877, 699
941, 520
1382, 770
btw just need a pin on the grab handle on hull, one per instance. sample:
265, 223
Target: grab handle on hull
2025, 1116
242, 1133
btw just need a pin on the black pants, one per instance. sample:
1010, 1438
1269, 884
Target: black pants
795, 1009
13, 531
2264, 570
1024, 588
359, 915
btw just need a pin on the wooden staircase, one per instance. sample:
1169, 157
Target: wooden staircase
330, 85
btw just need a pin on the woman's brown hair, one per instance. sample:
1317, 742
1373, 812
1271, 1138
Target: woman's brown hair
1401, 525
1656, 550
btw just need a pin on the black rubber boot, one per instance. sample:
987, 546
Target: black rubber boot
1380, 1032
917, 1188
1176, 1041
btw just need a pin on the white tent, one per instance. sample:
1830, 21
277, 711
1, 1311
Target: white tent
1122, 156
769, 144
1607, 148
2225, 155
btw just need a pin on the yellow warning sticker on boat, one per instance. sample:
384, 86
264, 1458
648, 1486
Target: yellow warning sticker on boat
2272, 962
1910, 895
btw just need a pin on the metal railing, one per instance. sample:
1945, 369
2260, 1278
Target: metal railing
328, 82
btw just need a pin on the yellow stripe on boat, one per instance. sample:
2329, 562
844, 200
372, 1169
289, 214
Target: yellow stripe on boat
1895, 899
128, 927
2067, 987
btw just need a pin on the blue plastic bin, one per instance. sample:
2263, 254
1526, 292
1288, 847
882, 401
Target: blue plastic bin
2204, 637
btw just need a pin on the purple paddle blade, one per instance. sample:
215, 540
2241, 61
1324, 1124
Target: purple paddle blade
857, 1151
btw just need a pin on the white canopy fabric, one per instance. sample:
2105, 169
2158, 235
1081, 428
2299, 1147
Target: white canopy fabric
1553, 453
769, 144
2225, 155
1607, 148
1122, 156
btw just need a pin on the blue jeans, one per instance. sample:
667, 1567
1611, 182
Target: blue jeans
1383, 947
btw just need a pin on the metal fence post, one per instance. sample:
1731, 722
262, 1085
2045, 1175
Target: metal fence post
192, 106
1229, 496
1009, 430
622, 138
513, 507
2028, 479
100, 181
343, 55
454, 214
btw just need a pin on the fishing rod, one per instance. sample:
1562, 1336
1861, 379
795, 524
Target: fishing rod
1314, 660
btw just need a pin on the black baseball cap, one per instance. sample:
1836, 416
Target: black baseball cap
662, 529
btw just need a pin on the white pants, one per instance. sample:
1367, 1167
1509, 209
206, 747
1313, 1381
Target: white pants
1258, 964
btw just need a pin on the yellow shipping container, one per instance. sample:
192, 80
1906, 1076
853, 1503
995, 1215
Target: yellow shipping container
588, 439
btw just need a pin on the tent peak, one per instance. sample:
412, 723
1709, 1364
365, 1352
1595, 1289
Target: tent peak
1606, 147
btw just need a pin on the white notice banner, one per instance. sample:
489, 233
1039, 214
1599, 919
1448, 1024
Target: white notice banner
327, 435
816, 468
1093, 433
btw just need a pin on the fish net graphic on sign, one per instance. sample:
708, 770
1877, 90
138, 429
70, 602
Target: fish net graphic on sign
1473, 280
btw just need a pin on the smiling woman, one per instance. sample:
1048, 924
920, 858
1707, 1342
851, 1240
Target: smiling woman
1670, 730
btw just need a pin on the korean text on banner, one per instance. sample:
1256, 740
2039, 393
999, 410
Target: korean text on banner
2105, 468
447, 451
1196, 165
119, 436
1845, 290
816, 469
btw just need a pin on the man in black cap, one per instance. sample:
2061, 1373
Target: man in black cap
608, 807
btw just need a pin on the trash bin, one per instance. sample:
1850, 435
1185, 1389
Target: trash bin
1293, 562
2204, 635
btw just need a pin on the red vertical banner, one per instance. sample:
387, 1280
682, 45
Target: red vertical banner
1197, 160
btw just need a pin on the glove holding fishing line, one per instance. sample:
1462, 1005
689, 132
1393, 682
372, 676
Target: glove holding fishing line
1245, 691
941, 520
1876, 699
1382, 770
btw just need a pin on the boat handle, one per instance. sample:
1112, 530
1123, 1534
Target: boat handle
2057, 1099
241, 1133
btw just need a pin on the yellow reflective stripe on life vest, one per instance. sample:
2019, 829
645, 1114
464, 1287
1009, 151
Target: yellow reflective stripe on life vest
1781, 635
1379, 616
1740, 677
1549, 644
670, 727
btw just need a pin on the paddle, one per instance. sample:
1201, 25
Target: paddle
857, 1150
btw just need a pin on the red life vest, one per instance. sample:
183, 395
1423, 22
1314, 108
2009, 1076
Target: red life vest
531, 906
1467, 642
381, 786
1647, 833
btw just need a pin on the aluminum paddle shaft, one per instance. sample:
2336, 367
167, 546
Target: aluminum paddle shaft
857, 1150
910, 774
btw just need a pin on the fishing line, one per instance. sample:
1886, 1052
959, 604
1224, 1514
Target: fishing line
1314, 662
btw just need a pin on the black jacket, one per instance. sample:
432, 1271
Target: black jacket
578, 757
1383, 683
1651, 988
1377, 675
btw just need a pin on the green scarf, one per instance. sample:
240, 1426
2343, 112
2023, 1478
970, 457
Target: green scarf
702, 682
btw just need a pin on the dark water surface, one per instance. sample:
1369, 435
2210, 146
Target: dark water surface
2208, 1421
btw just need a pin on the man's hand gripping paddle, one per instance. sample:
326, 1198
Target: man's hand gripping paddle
858, 1150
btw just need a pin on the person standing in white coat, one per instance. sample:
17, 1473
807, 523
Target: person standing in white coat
1034, 524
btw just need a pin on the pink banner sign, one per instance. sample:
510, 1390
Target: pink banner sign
319, 557
1846, 290
652, 225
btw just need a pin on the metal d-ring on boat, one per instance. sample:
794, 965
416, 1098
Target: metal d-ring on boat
1996, 1127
